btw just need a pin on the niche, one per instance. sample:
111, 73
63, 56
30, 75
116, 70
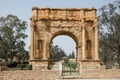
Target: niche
39, 48
88, 48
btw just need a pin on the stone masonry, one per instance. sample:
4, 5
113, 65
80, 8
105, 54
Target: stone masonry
79, 24
104, 74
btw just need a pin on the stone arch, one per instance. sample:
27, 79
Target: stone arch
80, 24
67, 33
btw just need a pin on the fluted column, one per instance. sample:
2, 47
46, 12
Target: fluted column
96, 40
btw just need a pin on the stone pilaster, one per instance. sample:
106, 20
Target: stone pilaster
96, 40
83, 41
32, 42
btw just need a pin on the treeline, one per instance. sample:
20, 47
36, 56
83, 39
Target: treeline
56, 53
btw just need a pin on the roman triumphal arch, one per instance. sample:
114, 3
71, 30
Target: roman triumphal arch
80, 24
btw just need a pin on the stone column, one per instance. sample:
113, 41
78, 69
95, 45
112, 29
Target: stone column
83, 43
32, 42
96, 40
83, 39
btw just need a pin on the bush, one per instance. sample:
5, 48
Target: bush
28, 67
73, 65
13, 64
70, 64
21, 66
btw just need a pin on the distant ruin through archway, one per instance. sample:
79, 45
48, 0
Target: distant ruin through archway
80, 24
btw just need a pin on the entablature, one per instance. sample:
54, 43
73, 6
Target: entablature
74, 14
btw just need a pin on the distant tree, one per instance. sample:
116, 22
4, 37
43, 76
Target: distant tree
56, 53
73, 54
109, 33
69, 56
12, 35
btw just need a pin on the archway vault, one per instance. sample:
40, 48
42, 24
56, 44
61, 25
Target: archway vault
67, 33
80, 24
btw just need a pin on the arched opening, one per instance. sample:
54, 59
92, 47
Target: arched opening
62, 46
65, 43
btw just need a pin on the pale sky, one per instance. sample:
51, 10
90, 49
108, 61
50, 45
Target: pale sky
22, 9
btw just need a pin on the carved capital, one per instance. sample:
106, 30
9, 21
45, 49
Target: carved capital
83, 28
79, 46
95, 26
96, 23
33, 23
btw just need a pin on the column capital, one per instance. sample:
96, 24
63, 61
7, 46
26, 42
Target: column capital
95, 27
33, 25
78, 47
83, 28
96, 23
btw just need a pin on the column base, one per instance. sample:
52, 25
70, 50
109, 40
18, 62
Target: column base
39, 64
90, 64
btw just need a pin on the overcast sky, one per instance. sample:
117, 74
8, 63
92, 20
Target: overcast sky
22, 9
